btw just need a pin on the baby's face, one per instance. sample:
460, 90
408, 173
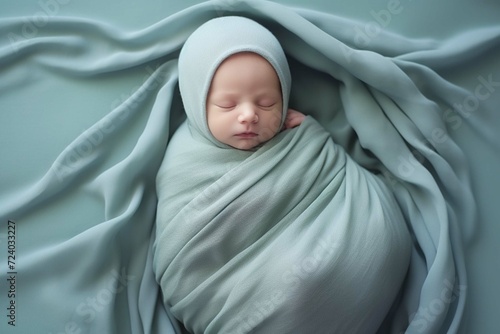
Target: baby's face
244, 103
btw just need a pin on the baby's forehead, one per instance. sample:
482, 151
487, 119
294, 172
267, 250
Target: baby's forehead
245, 72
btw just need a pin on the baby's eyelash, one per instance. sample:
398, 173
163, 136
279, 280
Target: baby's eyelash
225, 106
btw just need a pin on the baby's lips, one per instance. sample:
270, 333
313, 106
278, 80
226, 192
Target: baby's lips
247, 135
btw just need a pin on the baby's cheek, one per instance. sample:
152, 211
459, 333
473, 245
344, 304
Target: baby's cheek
216, 129
272, 127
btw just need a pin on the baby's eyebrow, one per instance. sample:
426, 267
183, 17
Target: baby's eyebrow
270, 95
219, 98
223, 94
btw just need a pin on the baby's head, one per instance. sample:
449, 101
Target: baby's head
235, 82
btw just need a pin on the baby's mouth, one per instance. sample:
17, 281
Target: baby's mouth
246, 135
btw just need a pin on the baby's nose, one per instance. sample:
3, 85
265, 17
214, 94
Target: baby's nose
248, 114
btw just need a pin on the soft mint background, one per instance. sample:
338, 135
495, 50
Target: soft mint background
35, 126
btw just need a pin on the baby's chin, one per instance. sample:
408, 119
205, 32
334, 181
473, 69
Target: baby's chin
246, 145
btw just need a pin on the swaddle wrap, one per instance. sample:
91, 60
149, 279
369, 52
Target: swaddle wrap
294, 237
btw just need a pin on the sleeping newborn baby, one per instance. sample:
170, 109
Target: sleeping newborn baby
262, 225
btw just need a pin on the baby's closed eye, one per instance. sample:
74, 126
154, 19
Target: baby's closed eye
267, 103
225, 104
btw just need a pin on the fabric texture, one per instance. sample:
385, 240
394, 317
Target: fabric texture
384, 101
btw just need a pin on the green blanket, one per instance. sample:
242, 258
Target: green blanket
293, 238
